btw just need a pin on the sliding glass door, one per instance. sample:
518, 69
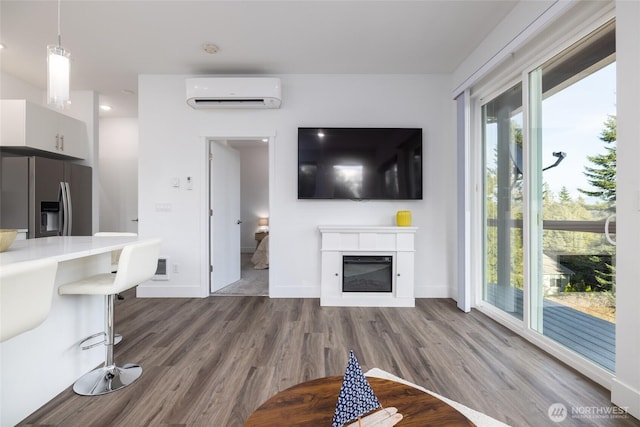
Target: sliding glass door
553, 186
503, 243
573, 146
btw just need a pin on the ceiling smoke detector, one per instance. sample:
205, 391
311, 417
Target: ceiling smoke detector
210, 48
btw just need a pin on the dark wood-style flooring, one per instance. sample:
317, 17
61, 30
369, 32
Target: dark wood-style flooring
213, 361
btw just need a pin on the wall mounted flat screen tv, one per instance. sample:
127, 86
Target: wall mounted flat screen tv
360, 163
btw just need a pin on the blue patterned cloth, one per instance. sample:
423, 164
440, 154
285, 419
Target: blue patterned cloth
356, 395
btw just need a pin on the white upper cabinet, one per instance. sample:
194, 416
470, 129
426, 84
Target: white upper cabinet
24, 125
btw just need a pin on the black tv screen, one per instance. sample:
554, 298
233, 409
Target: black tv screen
360, 163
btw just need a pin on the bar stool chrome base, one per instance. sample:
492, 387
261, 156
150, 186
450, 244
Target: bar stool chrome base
107, 379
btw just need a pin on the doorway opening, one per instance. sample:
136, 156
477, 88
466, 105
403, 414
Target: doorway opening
239, 216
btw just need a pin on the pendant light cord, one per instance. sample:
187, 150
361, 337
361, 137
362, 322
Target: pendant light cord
59, 38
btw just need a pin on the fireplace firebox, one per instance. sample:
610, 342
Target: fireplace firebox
365, 273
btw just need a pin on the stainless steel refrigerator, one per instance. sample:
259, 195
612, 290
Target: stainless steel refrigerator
48, 197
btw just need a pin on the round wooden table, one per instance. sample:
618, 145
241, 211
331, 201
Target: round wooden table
313, 403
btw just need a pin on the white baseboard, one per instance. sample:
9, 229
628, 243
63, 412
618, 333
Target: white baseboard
293, 292
626, 398
432, 292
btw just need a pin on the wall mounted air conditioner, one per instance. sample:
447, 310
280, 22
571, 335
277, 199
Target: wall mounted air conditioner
234, 92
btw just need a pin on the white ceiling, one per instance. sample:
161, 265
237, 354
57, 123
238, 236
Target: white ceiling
112, 42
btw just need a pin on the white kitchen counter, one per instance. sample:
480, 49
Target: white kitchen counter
62, 248
39, 364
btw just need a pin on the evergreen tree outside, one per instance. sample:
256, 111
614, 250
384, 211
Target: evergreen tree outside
602, 175
565, 196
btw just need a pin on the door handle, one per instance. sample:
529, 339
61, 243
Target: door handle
135, 220
238, 222
606, 229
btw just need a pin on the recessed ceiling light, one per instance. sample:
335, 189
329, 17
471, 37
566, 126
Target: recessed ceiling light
210, 48
320, 134
265, 139
105, 107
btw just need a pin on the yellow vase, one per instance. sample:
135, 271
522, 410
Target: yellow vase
403, 218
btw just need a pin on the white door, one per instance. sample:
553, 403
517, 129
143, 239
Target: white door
224, 175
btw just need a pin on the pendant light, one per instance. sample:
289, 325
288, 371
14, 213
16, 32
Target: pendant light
58, 67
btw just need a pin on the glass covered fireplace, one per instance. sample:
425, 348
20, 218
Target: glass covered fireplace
364, 273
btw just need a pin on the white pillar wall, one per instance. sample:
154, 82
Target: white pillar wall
118, 161
625, 390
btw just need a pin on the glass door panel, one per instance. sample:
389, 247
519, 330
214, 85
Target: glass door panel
503, 239
573, 186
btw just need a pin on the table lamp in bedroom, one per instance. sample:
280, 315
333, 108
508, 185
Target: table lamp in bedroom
263, 225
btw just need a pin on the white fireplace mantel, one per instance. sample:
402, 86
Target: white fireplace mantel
338, 241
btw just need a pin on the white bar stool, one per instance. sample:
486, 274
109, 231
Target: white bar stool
90, 342
26, 290
115, 255
138, 263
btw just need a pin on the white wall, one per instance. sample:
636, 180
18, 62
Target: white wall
625, 391
12, 87
254, 192
172, 144
119, 174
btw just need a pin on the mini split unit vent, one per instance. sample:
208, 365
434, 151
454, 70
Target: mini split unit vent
162, 271
233, 92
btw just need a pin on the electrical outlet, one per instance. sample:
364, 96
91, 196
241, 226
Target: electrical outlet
175, 268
